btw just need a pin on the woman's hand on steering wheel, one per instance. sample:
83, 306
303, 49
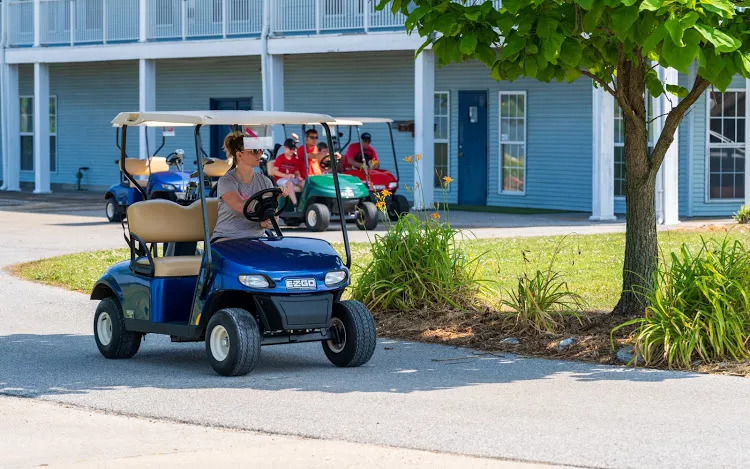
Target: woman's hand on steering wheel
263, 205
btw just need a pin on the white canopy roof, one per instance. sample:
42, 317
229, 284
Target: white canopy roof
367, 120
193, 118
333, 122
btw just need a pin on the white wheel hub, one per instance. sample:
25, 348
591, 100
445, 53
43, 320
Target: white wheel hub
337, 346
219, 343
312, 218
110, 209
104, 328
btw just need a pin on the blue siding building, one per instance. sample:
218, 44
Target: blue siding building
68, 66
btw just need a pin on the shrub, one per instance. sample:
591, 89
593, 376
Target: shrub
699, 307
541, 302
417, 264
743, 214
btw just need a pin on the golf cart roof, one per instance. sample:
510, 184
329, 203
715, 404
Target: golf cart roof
333, 122
193, 118
366, 120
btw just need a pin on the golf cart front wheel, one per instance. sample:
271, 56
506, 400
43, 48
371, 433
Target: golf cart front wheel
111, 210
317, 217
367, 216
397, 207
233, 342
111, 337
354, 335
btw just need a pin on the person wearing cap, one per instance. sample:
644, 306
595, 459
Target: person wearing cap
287, 171
239, 184
353, 158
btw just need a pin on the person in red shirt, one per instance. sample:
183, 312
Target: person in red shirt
287, 171
353, 158
313, 157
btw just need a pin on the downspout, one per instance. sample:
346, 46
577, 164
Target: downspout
3, 86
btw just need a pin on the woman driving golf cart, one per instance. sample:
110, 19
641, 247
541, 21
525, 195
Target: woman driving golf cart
239, 184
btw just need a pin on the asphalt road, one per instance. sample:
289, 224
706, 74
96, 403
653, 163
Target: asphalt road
409, 395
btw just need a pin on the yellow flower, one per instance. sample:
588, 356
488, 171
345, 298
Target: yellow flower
381, 206
418, 156
385, 193
408, 159
435, 216
447, 180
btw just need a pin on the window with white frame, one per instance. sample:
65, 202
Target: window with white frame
513, 142
726, 145
27, 133
164, 12
442, 136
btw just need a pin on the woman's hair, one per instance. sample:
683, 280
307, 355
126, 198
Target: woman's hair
233, 143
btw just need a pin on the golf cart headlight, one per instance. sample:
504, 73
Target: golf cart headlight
392, 185
254, 281
169, 187
379, 187
335, 277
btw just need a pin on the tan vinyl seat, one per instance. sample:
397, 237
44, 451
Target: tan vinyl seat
138, 167
218, 168
164, 221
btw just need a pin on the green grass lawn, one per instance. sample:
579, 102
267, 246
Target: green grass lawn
592, 264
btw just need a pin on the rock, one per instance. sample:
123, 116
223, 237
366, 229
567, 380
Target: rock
510, 341
625, 354
565, 343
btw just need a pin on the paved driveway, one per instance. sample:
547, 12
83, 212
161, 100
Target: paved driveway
410, 395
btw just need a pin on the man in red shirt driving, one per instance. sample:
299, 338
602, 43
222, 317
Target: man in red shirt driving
353, 158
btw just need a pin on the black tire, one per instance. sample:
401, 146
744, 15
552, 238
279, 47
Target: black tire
113, 340
317, 217
367, 216
397, 207
359, 335
243, 348
292, 222
111, 210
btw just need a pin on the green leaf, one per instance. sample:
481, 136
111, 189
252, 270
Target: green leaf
530, 67
585, 4
570, 52
675, 29
532, 48
469, 43
514, 5
572, 74
651, 5
678, 91
721, 41
551, 47
623, 19
592, 17
719, 7
654, 39
473, 15
546, 26
653, 84
512, 46
486, 54
678, 57
743, 62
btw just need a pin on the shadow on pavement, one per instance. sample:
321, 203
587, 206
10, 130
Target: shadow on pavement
36, 365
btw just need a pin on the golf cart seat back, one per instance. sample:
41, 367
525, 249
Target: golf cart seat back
218, 168
137, 167
164, 221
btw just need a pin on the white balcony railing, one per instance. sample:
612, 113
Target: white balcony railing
325, 16
21, 29
70, 22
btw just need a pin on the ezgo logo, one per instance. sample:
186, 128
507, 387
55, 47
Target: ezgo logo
300, 284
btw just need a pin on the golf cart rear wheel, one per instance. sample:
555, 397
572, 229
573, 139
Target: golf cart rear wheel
367, 216
112, 339
354, 335
317, 217
111, 210
233, 342
398, 206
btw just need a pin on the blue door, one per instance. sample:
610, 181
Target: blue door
472, 148
218, 132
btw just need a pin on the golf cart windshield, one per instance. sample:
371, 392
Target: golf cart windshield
256, 125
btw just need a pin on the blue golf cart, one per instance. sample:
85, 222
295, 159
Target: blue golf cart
238, 294
166, 179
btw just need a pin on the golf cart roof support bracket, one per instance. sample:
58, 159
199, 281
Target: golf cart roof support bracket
393, 147
123, 168
202, 193
340, 203
365, 168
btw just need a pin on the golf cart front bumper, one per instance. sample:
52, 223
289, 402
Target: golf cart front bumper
295, 312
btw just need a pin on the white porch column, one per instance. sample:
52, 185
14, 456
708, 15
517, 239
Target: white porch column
273, 89
424, 129
11, 118
142, 24
603, 170
146, 102
37, 22
747, 141
667, 185
41, 128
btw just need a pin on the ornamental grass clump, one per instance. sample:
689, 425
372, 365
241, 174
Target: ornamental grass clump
417, 265
541, 302
743, 215
699, 307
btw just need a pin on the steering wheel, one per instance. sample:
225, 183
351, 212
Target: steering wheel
173, 158
264, 205
325, 162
